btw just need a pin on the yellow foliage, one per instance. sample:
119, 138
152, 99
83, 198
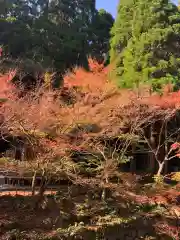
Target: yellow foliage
176, 177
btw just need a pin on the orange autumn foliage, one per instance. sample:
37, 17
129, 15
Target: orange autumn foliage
95, 79
6, 87
167, 100
96, 100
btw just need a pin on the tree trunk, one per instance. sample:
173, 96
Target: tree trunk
33, 183
152, 159
104, 192
41, 190
166, 148
161, 167
133, 161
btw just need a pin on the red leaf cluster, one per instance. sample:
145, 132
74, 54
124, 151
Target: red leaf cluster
174, 146
6, 87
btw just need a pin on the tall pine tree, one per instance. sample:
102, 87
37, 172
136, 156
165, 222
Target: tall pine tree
122, 30
101, 28
152, 54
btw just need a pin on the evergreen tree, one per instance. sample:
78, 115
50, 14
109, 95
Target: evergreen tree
122, 29
102, 25
152, 54
56, 33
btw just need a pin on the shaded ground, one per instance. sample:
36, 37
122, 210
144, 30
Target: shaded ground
79, 213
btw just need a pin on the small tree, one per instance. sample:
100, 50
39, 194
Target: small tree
161, 141
102, 158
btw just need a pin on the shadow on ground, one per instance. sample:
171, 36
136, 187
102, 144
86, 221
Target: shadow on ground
78, 213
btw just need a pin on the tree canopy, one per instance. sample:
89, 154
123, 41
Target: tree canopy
59, 33
147, 49
103, 23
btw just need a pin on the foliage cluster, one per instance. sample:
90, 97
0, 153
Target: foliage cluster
145, 43
57, 34
55, 127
